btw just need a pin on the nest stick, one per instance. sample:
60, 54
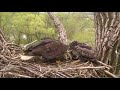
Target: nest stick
99, 67
19, 75
104, 64
110, 74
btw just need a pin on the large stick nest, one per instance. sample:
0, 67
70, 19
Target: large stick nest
11, 66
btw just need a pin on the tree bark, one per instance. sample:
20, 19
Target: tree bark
60, 28
107, 26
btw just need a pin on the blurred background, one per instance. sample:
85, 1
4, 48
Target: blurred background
25, 27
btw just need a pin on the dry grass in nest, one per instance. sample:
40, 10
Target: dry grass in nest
11, 66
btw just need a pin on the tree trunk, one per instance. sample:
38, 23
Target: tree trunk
108, 38
60, 28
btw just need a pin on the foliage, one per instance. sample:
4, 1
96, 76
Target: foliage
29, 24
24, 27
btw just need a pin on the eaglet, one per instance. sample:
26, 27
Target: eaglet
82, 51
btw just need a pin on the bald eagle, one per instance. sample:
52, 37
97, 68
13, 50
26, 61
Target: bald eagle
82, 51
50, 49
